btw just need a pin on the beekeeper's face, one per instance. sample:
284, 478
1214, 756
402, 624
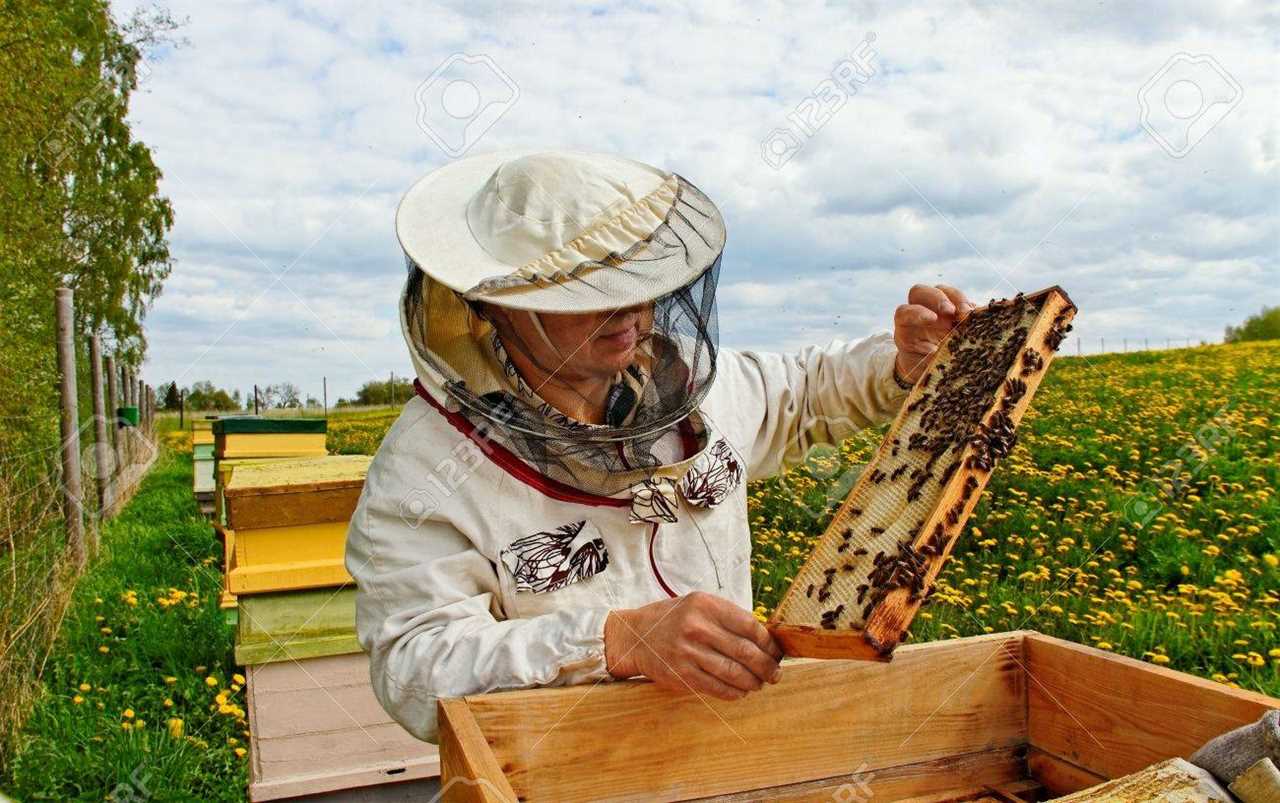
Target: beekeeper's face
584, 345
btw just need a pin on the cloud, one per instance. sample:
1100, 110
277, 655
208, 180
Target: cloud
995, 148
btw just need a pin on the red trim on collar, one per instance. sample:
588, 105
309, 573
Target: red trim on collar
516, 467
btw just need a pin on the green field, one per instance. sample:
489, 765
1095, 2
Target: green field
1138, 513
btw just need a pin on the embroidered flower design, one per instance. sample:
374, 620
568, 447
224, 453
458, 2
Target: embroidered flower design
549, 560
713, 477
654, 500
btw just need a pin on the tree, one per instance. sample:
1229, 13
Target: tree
1263, 326
204, 396
172, 397
381, 392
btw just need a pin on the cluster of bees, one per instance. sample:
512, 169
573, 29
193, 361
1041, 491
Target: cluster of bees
955, 416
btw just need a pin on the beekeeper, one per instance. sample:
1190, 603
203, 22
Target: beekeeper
565, 500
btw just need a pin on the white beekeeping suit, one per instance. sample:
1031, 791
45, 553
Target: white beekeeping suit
495, 533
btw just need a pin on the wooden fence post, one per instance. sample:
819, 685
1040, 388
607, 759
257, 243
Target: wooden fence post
113, 401
101, 446
72, 493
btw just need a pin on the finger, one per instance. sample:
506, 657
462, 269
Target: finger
690, 678
747, 641
932, 298
961, 302
728, 669
703, 683
747, 653
770, 644
914, 341
913, 315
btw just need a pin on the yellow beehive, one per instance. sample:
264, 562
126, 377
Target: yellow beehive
288, 520
868, 574
202, 432
269, 437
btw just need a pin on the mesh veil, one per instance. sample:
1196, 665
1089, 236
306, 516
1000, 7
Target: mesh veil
459, 352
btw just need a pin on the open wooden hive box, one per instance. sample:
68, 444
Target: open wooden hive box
1009, 717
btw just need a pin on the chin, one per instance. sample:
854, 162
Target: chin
616, 360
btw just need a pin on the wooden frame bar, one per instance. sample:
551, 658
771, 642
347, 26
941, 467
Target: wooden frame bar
1001, 716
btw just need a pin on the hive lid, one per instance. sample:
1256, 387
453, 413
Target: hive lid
299, 475
237, 426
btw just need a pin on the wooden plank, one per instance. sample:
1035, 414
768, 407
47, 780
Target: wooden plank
288, 558
245, 512
878, 516
1113, 716
276, 444
949, 778
316, 727
957, 696
294, 492
296, 625
469, 772
1057, 775
286, 577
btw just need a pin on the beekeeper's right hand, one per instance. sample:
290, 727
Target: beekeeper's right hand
697, 642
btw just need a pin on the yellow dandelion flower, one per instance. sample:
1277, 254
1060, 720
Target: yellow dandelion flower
211, 681
175, 728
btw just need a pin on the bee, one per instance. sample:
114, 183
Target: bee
860, 551
809, 592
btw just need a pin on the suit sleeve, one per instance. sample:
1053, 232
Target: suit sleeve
428, 615
817, 395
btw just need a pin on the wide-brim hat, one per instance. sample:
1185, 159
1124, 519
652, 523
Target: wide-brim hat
558, 231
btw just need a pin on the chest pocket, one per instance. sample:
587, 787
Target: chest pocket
554, 559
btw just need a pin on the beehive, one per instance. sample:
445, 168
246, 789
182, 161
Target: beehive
269, 437
289, 522
295, 625
202, 433
871, 569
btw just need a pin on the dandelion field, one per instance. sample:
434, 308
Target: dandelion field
1138, 514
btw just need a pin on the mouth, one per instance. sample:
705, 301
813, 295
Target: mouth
623, 338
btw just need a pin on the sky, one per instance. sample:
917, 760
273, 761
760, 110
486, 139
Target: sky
1124, 151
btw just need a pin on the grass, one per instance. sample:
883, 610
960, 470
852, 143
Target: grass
130, 708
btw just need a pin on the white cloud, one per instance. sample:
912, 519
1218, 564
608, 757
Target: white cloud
995, 149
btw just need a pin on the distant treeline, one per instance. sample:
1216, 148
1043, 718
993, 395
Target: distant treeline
1263, 326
